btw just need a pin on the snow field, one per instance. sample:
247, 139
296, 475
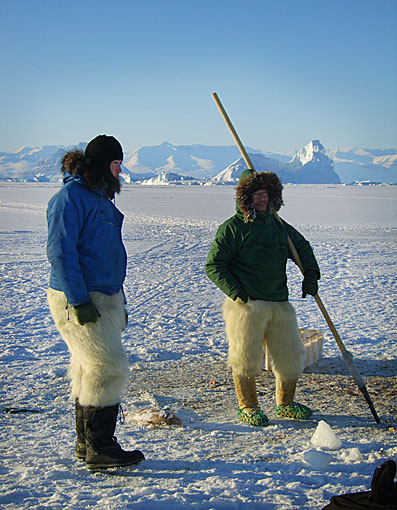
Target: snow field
177, 349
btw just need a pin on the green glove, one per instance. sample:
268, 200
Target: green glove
86, 312
309, 284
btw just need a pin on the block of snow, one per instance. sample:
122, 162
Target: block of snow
352, 456
324, 437
317, 459
312, 340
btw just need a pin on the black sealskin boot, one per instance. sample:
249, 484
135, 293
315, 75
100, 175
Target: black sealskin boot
103, 450
80, 447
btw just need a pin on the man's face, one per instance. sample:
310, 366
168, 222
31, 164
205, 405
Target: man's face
115, 167
260, 200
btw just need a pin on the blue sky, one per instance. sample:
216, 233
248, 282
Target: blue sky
287, 72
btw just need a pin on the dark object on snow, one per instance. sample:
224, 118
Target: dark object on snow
155, 417
382, 496
80, 447
383, 488
103, 450
16, 410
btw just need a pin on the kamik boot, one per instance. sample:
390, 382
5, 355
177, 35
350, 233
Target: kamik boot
285, 405
80, 447
249, 411
103, 450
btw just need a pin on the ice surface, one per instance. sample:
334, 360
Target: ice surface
212, 460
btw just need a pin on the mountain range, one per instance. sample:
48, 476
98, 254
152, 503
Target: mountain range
204, 164
309, 166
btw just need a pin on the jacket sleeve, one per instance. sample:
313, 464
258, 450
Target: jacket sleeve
304, 250
217, 267
65, 221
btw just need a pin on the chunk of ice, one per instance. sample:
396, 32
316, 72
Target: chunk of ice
352, 455
324, 437
317, 459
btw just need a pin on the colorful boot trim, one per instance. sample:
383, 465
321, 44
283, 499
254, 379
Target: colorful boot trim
295, 411
253, 416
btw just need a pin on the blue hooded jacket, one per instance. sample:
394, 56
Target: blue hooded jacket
84, 247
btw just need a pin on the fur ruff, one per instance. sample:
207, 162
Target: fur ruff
253, 326
76, 163
98, 369
263, 180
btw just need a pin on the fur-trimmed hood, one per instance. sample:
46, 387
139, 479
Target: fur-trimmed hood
248, 185
75, 162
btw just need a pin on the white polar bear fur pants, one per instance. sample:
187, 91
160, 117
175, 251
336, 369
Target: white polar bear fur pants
253, 326
98, 369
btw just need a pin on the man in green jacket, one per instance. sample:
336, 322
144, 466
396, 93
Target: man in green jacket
247, 261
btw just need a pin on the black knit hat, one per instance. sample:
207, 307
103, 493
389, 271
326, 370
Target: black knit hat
103, 150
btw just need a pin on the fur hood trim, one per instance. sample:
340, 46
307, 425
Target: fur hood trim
263, 180
75, 162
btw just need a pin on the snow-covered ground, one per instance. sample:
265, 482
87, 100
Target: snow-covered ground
176, 345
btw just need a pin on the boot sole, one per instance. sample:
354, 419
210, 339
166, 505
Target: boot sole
80, 455
96, 467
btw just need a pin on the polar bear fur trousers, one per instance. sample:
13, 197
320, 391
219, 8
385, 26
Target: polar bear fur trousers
98, 369
253, 326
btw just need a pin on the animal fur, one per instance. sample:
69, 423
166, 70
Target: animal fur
75, 162
253, 326
263, 180
98, 369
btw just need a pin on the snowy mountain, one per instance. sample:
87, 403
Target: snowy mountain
231, 174
312, 152
354, 164
43, 165
20, 163
309, 166
48, 170
222, 164
34, 164
201, 161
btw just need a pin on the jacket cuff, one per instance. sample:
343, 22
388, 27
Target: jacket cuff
312, 273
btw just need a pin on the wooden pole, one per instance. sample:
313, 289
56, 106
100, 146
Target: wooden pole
225, 116
347, 356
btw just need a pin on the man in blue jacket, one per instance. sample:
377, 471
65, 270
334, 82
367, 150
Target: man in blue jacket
88, 267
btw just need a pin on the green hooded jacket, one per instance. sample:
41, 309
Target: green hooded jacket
249, 254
